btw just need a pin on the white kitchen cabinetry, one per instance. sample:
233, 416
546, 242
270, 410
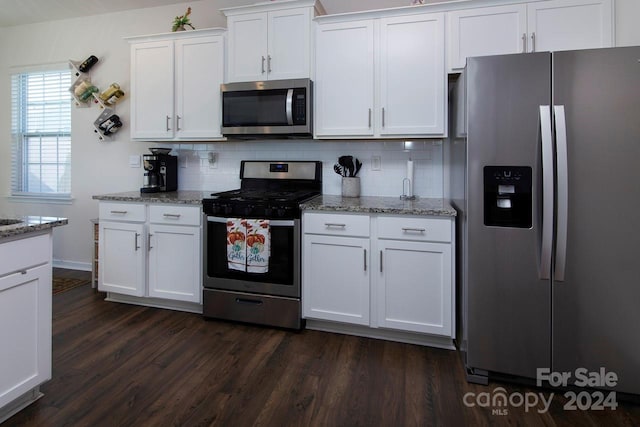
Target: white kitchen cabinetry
485, 31
392, 274
569, 24
380, 77
414, 277
25, 321
270, 41
161, 239
528, 27
175, 85
336, 268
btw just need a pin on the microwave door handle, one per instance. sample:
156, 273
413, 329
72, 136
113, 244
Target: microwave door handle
289, 107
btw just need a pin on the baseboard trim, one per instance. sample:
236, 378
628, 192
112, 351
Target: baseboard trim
385, 334
72, 265
190, 307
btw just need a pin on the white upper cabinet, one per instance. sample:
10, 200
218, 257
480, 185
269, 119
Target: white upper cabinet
152, 75
570, 24
412, 76
381, 77
486, 31
175, 85
344, 83
270, 41
533, 26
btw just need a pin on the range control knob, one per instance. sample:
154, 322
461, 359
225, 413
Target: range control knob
247, 210
281, 212
228, 209
268, 212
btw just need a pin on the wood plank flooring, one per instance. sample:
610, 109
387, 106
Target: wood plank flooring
124, 365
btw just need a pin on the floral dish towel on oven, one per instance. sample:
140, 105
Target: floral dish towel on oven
258, 245
236, 250
248, 245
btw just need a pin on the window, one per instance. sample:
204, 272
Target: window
41, 131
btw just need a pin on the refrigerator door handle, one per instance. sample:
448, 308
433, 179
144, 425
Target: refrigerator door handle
547, 192
562, 189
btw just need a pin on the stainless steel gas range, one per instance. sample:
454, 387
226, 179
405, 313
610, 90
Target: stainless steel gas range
252, 244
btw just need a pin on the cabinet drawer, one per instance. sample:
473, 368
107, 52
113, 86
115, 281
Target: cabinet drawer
176, 215
122, 212
412, 228
336, 224
25, 253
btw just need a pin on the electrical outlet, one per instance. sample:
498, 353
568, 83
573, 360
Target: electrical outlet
134, 161
376, 163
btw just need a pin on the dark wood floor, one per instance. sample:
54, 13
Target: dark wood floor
124, 365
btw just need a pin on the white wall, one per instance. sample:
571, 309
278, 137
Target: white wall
102, 167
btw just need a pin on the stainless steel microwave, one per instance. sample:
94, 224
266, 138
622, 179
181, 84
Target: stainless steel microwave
275, 107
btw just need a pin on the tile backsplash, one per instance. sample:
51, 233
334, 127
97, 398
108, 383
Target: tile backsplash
197, 173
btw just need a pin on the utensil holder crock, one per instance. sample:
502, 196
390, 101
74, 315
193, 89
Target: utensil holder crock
350, 186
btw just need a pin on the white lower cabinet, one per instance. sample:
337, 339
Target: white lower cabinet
174, 267
414, 286
336, 278
25, 321
151, 251
388, 272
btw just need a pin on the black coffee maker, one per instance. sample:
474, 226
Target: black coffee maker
160, 171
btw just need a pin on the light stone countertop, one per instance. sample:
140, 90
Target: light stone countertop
28, 224
384, 205
177, 197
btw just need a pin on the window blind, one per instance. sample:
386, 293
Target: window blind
41, 132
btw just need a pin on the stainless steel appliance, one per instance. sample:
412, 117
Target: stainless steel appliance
271, 190
160, 171
275, 107
546, 183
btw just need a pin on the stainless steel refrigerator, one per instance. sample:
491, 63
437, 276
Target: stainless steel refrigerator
546, 178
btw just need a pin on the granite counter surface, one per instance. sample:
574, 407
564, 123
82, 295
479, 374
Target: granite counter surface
384, 205
28, 224
176, 197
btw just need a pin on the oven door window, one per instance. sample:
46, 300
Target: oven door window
281, 260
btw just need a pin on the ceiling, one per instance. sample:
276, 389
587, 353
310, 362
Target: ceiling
21, 12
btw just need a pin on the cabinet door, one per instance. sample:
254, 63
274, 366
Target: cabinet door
174, 262
199, 73
344, 79
25, 331
569, 24
247, 47
152, 76
412, 75
335, 283
414, 286
485, 31
289, 44
122, 258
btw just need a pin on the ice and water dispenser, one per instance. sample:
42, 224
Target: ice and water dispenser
507, 196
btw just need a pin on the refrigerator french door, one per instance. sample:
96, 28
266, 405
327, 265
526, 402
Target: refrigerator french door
552, 277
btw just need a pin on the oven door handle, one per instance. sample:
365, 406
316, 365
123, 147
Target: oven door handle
272, 222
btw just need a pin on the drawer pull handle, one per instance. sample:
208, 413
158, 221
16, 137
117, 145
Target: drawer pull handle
248, 301
175, 216
23, 272
413, 230
135, 243
149, 247
118, 212
380, 261
333, 224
